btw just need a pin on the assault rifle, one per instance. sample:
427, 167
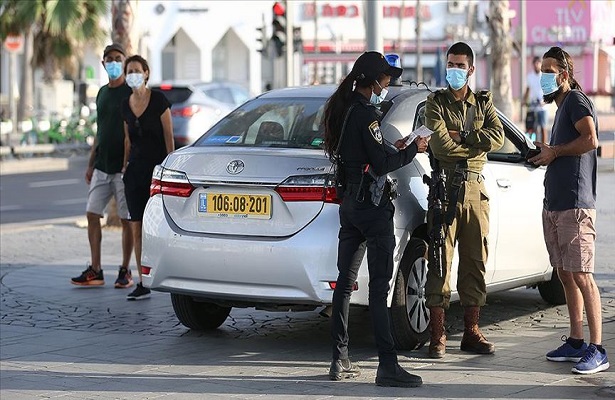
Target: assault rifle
435, 202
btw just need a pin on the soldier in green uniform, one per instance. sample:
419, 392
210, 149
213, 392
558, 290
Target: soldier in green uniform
466, 128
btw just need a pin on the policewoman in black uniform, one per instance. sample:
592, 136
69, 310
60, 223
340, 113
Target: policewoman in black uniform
363, 219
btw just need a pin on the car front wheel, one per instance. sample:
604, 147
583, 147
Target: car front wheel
198, 315
409, 312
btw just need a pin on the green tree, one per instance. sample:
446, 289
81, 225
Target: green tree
61, 30
58, 31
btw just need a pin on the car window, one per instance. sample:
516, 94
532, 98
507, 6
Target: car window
221, 94
271, 123
240, 95
174, 94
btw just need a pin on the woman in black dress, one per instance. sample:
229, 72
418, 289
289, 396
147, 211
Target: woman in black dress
148, 138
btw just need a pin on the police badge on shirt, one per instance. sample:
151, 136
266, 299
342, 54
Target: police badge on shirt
374, 129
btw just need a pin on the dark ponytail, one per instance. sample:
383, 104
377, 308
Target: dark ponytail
335, 110
564, 61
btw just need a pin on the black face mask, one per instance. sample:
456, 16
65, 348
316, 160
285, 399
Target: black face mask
550, 98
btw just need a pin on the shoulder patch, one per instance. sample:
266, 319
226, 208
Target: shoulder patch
484, 93
435, 94
374, 129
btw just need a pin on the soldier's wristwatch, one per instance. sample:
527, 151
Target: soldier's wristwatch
463, 135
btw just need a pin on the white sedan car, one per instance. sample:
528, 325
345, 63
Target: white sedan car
245, 217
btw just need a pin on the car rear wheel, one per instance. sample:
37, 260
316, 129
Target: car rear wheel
409, 312
552, 291
198, 315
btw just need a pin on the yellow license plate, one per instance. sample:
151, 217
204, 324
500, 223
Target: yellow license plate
235, 205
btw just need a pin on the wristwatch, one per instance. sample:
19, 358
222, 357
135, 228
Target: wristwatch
463, 135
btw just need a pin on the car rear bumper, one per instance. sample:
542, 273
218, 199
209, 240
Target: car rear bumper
289, 270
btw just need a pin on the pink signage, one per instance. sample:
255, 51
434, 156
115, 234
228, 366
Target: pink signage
555, 21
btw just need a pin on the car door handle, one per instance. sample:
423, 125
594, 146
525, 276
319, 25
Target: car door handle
504, 183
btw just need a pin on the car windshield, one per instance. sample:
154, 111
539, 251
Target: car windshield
285, 123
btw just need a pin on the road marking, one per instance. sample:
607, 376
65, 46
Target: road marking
70, 201
58, 182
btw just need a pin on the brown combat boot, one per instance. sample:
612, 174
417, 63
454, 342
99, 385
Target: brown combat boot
437, 343
473, 340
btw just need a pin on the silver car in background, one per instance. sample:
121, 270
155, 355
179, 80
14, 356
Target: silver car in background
246, 216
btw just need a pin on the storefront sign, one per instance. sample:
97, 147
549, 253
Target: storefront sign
336, 10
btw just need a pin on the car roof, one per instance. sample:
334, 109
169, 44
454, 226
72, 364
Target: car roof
325, 91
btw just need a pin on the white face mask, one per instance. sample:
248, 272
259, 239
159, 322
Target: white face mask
135, 80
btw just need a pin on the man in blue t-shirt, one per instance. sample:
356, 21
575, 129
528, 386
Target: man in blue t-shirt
569, 212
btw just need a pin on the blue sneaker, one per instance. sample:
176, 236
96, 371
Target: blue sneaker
566, 352
593, 361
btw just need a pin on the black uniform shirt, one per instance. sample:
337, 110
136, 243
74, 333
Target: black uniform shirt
363, 143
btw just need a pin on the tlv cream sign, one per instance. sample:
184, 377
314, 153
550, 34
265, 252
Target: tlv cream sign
558, 22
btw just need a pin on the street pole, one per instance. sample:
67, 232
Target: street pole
12, 94
419, 43
290, 48
523, 59
316, 48
372, 25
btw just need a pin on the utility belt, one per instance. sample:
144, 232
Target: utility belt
372, 187
456, 177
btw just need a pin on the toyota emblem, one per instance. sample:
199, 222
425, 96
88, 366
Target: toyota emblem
235, 167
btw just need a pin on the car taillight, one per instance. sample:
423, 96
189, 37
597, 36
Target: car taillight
307, 188
145, 270
170, 183
185, 112
332, 285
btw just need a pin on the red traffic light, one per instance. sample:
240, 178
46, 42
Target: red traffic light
279, 9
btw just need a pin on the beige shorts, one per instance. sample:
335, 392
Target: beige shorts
570, 236
102, 187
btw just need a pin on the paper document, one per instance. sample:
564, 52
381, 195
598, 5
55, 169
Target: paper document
423, 131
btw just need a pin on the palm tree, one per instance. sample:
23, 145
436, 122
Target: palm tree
501, 48
60, 31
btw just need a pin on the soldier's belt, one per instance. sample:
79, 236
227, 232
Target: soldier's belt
464, 176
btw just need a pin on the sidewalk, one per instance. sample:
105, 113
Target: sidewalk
58, 340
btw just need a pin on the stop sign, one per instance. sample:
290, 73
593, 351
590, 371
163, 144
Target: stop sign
13, 43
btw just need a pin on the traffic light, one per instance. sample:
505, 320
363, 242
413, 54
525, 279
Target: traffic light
262, 39
279, 27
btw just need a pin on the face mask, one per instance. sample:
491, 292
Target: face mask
548, 82
456, 77
134, 80
114, 69
375, 99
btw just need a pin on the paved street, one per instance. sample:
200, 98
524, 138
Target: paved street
57, 340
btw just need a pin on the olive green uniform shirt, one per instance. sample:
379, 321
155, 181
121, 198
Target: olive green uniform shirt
443, 113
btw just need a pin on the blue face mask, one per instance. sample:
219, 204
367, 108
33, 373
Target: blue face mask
456, 77
114, 69
375, 99
548, 82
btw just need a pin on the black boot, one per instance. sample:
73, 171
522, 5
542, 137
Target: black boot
343, 369
395, 375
